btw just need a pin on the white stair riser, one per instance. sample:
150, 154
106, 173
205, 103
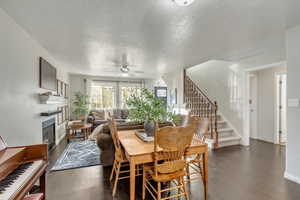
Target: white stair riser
228, 133
222, 125
229, 143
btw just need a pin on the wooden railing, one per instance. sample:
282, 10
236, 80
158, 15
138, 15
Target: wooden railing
200, 105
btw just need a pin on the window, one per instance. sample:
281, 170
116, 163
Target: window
128, 90
109, 94
103, 95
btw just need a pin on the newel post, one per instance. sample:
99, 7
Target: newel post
216, 125
184, 85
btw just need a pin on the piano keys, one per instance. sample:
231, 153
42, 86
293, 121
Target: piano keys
20, 168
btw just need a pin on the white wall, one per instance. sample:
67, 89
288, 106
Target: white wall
293, 113
222, 82
20, 123
175, 80
266, 102
152, 83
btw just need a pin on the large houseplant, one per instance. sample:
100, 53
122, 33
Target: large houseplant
80, 105
147, 108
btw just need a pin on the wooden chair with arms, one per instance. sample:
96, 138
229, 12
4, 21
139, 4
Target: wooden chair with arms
120, 161
170, 144
195, 164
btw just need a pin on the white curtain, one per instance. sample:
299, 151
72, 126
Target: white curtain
88, 88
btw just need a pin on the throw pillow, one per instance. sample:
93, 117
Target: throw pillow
98, 115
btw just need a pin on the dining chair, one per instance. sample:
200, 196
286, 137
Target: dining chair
120, 168
170, 144
195, 164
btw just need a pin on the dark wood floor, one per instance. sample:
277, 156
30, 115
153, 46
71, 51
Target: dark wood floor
235, 173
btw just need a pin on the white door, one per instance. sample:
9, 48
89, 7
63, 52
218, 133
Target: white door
281, 108
252, 106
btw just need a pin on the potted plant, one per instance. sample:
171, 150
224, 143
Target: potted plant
147, 108
80, 105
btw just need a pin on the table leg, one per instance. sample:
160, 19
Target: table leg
132, 180
205, 174
85, 134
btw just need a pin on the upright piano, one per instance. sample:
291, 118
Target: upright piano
21, 168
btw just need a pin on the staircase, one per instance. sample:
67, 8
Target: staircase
221, 134
227, 135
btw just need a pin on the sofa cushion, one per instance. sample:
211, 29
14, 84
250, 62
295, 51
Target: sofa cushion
98, 115
124, 113
117, 113
99, 122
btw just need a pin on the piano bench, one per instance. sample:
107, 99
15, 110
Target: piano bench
38, 196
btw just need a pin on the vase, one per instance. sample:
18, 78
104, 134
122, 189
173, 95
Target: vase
149, 126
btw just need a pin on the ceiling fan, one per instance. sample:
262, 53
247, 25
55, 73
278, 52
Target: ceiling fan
122, 67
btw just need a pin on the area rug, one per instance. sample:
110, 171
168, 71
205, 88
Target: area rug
78, 154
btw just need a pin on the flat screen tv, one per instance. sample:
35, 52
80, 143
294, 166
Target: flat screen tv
47, 75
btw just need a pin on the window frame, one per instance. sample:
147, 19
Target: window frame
117, 85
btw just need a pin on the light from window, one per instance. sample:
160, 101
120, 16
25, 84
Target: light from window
126, 92
102, 97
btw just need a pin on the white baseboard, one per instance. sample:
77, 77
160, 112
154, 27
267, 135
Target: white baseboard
291, 177
245, 142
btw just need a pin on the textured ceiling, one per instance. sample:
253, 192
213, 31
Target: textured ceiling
156, 35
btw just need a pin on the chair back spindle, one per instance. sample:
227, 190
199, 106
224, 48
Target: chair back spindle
114, 134
200, 105
170, 145
202, 127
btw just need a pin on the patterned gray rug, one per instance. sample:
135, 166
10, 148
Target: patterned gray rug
78, 154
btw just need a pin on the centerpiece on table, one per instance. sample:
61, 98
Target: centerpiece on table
146, 107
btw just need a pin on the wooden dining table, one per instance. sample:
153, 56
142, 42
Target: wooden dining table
139, 152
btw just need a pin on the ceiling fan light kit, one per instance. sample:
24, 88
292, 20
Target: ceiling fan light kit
183, 2
124, 69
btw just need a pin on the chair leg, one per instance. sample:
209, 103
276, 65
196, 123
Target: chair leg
144, 185
186, 194
188, 171
201, 172
112, 171
118, 165
179, 189
158, 191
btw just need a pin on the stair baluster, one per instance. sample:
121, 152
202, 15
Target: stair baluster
200, 105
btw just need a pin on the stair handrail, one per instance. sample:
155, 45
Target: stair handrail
203, 94
211, 113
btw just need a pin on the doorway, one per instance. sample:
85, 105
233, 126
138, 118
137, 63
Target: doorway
265, 119
253, 105
281, 130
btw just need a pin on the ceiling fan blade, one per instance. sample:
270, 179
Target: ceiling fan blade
107, 66
138, 72
110, 69
124, 59
132, 66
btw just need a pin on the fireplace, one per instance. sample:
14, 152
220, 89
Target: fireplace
49, 133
